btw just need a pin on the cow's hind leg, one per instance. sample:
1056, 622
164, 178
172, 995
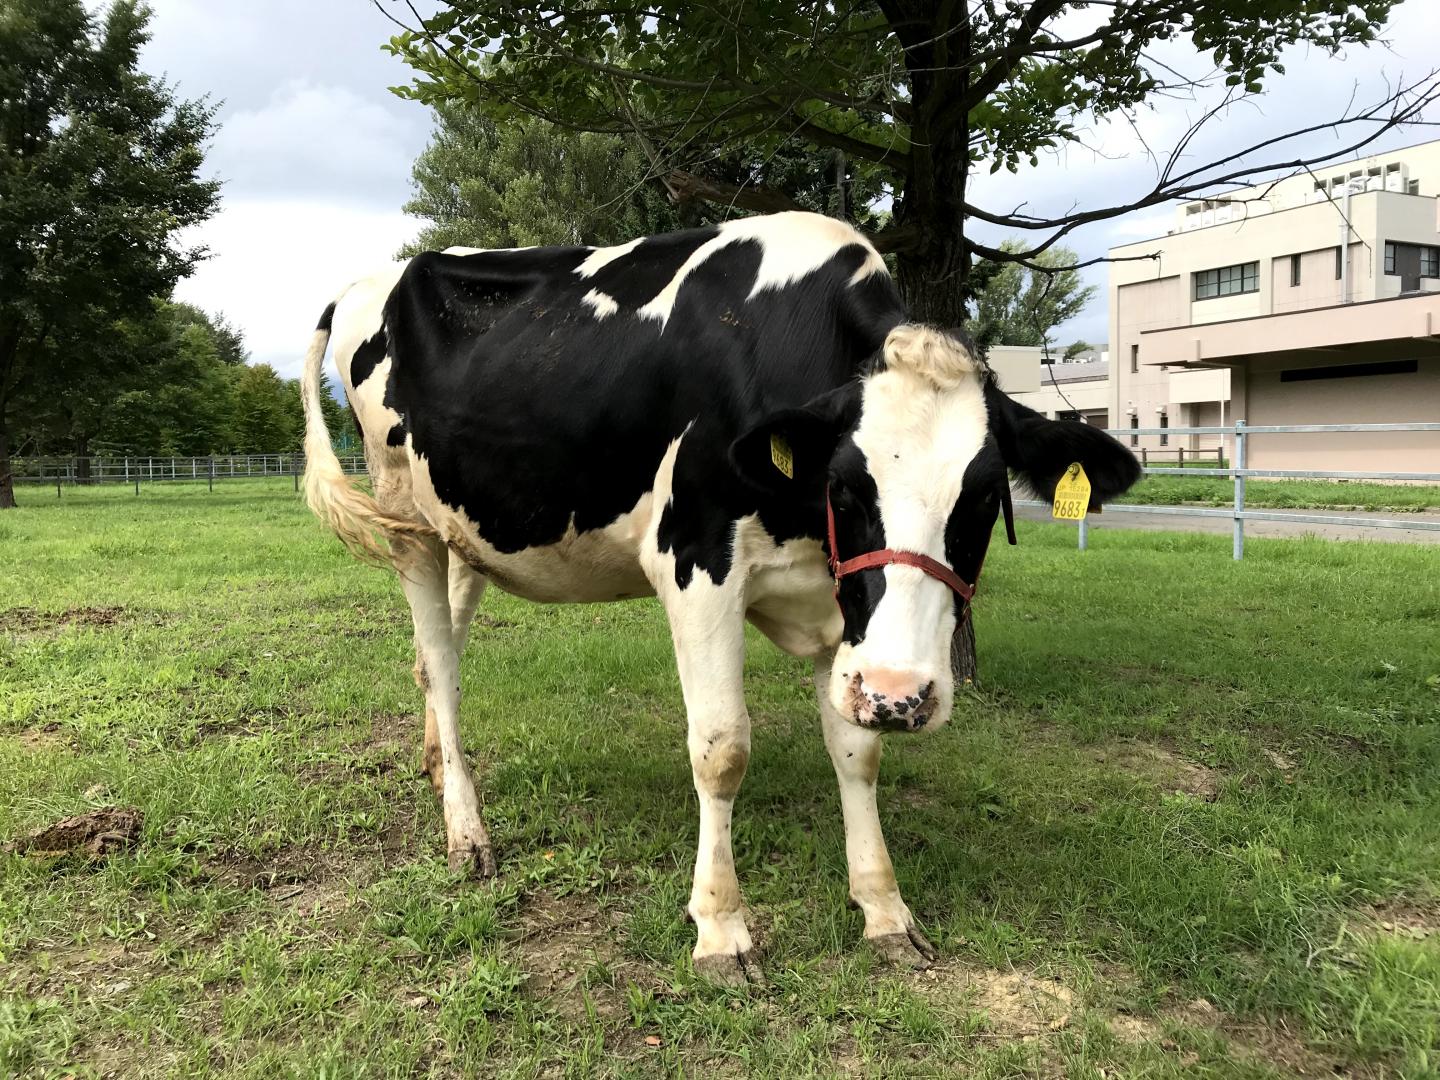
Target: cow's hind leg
466, 586
855, 753
425, 572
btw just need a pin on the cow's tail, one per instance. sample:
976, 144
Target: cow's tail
353, 514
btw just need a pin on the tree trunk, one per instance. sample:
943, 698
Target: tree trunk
82, 459
7, 481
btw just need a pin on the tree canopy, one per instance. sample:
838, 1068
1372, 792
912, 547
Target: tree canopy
99, 171
1020, 305
916, 95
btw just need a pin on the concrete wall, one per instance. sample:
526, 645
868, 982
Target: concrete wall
1084, 395
1370, 399
1135, 308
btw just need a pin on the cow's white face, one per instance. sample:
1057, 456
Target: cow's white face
915, 457
919, 473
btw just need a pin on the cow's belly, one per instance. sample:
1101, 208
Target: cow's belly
580, 568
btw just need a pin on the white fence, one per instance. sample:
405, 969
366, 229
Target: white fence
1238, 473
134, 471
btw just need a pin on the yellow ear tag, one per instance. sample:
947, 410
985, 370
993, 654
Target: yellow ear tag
1072, 495
782, 456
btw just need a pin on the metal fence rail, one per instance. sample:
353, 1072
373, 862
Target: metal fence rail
134, 471
1238, 473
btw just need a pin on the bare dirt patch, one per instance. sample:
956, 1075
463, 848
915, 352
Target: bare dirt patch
1164, 768
560, 938
1017, 1004
28, 620
1417, 919
95, 833
1272, 1043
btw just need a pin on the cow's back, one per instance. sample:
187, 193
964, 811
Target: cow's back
540, 388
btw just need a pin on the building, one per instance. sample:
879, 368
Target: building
1311, 300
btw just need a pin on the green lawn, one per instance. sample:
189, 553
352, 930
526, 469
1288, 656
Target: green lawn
1190, 828
1285, 494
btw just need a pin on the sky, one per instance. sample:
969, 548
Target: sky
315, 152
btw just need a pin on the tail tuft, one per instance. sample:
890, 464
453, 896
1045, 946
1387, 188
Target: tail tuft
352, 514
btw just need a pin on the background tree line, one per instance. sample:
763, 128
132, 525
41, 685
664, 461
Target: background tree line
192, 393
100, 174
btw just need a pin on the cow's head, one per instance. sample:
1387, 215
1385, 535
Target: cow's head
915, 456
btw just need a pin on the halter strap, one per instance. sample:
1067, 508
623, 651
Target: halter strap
890, 557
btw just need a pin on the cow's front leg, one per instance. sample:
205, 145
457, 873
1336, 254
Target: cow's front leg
855, 753
424, 573
707, 623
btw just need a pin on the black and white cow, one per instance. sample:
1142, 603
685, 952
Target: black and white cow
666, 417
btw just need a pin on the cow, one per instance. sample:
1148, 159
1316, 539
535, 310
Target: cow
740, 420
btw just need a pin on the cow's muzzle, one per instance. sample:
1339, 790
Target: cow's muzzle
890, 700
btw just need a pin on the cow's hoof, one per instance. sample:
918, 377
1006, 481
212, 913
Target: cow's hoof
477, 862
730, 969
907, 950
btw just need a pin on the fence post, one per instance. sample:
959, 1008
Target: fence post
1084, 531
1239, 547
57, 481
295, 472
1144, 457
1181, 452
212, 472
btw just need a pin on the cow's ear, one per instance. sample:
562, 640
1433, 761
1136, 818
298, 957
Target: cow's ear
1040, 450
790, 450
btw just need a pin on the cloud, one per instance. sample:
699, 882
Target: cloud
278, 262
309, 138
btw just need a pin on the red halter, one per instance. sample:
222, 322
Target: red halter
888, 556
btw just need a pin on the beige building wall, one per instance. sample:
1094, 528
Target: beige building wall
1371, 399
1391, 197
1090, 397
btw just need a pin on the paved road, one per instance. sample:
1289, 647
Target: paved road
1115, 518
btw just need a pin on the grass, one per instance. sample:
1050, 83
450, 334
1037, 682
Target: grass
1285, 494
1190, 828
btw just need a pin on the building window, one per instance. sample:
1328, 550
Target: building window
1412, 188
1164, 423
1134, 423
1429, 258
1339, 265
1227, 281
1294, 270
1134, 358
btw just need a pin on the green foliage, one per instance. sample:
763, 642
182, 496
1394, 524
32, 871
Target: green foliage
268, 419
99, 171
483, 184
1020, 306
915, 94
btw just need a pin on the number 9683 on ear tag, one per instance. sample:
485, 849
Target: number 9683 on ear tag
1072, 495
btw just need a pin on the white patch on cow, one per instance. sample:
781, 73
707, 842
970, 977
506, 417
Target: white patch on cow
359, 316
918, 438
602, 257
789, 593
603, 303
707, 624
792, 245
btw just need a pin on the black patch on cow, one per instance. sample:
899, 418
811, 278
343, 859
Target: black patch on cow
858, 529
327, 318
367, 357
396, 435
